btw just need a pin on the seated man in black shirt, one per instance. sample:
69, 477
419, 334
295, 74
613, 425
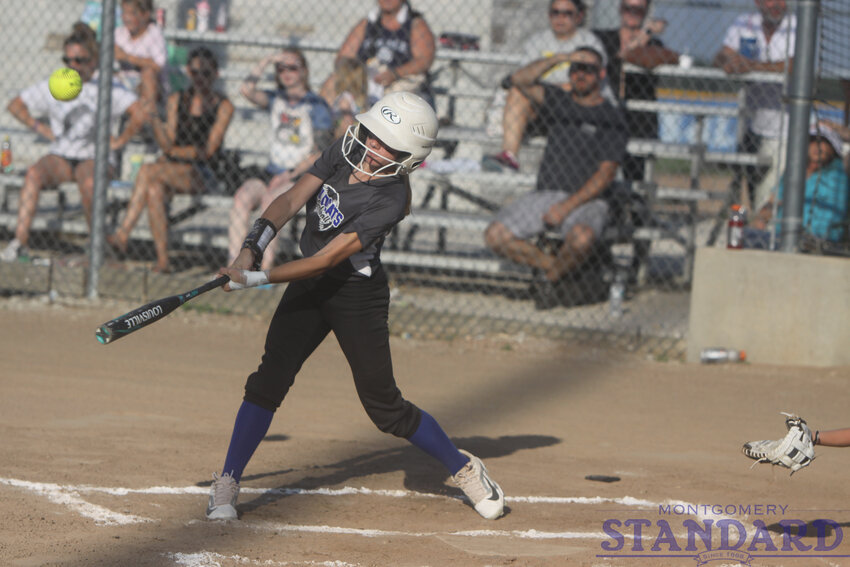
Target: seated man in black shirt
586, 145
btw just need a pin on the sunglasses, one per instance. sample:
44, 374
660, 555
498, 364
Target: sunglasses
634, 10
566, 13
281, 68
77, 60
588, 68
201, 72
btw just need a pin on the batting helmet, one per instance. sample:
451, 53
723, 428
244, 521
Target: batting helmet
403, 122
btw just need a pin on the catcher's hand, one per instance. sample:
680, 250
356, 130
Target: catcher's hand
794, 451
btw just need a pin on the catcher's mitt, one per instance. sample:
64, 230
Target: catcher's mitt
794, 451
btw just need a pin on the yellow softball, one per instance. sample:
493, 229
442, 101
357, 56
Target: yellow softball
65, 84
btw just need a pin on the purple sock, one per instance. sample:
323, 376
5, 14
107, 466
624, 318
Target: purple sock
252, 423
431, 438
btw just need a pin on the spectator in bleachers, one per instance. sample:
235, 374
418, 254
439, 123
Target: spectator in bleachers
350, 96
397, 46
70, 127
140, 51
825, 197
586, 145
636, 41
843, 132
190, 140
301, 127
520, 117
761, 41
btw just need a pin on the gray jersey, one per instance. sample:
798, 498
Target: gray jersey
370, 209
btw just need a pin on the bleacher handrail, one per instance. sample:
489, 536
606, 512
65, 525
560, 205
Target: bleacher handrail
445, 54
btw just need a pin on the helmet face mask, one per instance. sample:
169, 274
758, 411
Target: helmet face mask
355, 145
402, 122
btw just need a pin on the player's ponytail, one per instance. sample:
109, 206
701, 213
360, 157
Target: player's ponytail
406, 179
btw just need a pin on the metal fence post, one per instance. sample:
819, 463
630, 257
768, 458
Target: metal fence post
101, 158
800, 103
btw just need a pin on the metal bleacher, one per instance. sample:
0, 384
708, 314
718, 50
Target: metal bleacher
451, 210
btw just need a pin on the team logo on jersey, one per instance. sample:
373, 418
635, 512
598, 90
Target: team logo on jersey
327, 208
588, 128
390, 115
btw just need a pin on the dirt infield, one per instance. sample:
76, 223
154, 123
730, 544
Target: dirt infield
108, 451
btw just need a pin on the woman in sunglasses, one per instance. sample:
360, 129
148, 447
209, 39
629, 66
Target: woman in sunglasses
519, 117
301, 127
190, 140
70, 127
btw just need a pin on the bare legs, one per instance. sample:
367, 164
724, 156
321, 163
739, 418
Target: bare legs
149, 87
84, 176
155, 184
251, 195
49, 171
518, 113
571, 254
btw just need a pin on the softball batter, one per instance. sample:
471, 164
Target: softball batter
355, 193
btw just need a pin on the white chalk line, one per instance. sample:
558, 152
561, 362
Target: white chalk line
211, 559
69, 496
345, 491
373, 533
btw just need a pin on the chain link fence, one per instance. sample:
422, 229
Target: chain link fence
690, 126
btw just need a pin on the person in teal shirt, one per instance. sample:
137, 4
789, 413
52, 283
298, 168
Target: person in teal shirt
825, 198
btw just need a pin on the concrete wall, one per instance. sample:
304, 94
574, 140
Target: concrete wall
790, 309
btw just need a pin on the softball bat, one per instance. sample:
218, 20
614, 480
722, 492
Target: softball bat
149, 313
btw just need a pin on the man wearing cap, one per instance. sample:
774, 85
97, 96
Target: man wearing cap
825, 197
521, 117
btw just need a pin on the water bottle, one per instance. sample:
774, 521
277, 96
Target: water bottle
221, 18
6, 155
191, 19
735, 227
617, 294
716, 354
203, 11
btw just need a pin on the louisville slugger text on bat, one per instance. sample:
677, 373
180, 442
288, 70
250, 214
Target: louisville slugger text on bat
150, 313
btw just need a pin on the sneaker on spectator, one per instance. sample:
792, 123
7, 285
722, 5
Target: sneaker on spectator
13, 251
502, 161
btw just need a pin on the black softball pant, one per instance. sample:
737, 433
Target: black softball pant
356, 311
